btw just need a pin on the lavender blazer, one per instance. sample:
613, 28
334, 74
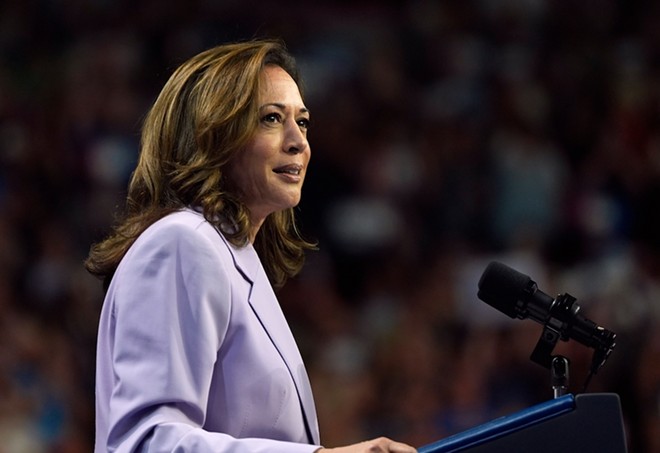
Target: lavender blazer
194, 353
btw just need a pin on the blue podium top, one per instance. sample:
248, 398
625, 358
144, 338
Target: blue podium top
502, 426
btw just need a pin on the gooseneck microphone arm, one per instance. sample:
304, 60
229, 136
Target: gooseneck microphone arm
517, 295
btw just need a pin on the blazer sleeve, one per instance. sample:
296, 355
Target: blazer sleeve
170, 309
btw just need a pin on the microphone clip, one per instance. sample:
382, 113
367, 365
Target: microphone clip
556, 327
560, 325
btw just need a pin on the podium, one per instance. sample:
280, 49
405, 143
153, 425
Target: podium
584, 423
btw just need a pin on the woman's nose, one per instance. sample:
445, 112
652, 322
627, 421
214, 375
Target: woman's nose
295, 140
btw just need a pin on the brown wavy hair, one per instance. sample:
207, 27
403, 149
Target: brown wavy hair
205, 114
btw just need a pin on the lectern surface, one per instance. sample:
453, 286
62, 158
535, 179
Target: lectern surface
584, 423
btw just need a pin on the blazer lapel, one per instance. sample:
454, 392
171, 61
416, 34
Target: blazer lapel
264, 303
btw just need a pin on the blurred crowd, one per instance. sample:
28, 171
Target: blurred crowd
445, 135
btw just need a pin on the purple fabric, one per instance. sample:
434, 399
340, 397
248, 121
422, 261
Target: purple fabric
194, 352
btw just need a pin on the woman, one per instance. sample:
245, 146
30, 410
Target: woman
194, 353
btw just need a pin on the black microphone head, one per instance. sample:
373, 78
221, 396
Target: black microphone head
502, 287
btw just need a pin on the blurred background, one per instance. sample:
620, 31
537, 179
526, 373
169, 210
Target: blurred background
445, 134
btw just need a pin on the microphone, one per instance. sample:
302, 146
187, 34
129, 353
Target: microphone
518, 296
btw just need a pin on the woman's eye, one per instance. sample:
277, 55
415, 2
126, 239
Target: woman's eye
304, 123
272, 118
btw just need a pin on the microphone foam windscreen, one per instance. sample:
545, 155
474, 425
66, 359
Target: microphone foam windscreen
501, 287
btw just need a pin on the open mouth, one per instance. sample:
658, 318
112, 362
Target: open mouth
292, 169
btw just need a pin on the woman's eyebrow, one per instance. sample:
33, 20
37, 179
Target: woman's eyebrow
283, 107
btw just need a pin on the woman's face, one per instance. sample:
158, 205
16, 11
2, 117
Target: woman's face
269, 172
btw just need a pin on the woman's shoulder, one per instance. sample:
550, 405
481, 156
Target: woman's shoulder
181, 248
184, 221
186, 229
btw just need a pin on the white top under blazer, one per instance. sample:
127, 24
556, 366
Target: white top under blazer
194, 353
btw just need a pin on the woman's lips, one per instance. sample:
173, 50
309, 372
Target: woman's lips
290, 173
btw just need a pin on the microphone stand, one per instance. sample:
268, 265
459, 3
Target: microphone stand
554, 329
557, 364
559, 375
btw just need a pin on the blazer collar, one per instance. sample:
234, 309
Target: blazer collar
264, 303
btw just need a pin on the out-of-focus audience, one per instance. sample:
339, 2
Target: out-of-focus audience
445, 135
